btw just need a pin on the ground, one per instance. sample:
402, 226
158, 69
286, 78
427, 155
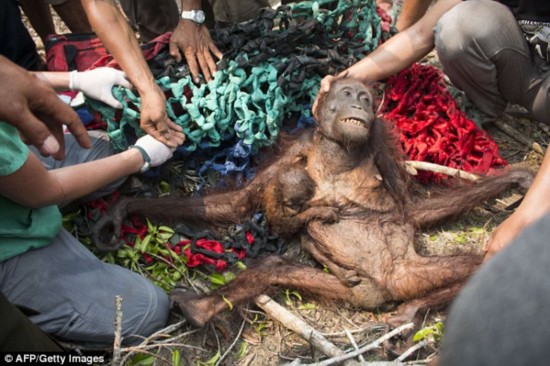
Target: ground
254, 339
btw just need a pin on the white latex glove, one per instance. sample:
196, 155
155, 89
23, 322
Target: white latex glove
98, 83
157, 152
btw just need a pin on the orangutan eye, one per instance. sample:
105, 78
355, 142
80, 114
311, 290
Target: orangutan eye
365, 99
346, 92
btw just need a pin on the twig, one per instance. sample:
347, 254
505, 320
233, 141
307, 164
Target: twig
145, 350
366, 348
231, 345
412, 165
413, 349
118, 331
292, 322
146, 342
512, 132
352, 340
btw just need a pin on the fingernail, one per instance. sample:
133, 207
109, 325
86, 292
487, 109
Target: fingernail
50, 145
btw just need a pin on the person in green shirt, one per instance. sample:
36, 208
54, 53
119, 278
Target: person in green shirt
42, 266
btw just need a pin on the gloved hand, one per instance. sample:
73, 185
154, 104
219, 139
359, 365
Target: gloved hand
157, 152
98, 83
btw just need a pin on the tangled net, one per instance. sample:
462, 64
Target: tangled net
270, 75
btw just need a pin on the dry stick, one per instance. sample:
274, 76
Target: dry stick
413, 165
364, 349
512, 132
145, 344
292, 322
231, 346
413, 349
354, 344
118, 331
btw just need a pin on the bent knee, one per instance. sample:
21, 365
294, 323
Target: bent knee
471, 24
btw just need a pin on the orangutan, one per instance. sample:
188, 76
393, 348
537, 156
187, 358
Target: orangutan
343, 189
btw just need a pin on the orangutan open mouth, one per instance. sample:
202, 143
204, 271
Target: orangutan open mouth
354, 121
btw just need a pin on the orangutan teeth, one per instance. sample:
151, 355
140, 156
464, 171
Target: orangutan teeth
353, 121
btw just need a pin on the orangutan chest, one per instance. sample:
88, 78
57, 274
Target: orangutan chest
346, 190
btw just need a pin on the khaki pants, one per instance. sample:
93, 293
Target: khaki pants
484, 52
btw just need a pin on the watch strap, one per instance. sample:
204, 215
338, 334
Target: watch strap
146, 159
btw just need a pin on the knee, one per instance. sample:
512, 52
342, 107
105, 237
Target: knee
145, 315
470, 25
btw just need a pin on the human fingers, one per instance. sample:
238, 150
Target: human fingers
55, 114
122, 80
175, 51
215, 51
160, 131
35, 132
192, 63
177, 138
324, 88
173, 126
204, 64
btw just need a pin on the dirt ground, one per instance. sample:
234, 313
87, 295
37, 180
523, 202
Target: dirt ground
254, 339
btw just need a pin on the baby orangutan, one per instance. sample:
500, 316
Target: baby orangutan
342, 187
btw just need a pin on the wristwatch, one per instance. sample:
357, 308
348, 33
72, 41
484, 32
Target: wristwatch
146, 159
195, 15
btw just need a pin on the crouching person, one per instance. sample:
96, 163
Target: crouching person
69, 292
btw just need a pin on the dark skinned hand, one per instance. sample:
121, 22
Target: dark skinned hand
154, 119
34, 108
195, 43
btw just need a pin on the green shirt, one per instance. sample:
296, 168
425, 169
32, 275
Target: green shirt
21, 228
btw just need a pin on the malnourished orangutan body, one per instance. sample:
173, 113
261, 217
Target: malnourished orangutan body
343, 189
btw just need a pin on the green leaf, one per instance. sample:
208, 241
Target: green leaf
243, 349
217, 279
176, 357
150, 227
142, 360
307, 306
240, 266
211, 361
434, 331
164, 236
228, 302
166, 229
144, 243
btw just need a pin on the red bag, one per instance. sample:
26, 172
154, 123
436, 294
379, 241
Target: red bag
73, 51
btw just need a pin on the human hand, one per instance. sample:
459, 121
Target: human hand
34, 108
195, 43
503, 235
98, 84
324, 88
155, 121
157, 151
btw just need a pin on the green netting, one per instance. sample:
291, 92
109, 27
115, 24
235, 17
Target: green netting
271, 69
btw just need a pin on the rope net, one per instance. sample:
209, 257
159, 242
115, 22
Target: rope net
270, 75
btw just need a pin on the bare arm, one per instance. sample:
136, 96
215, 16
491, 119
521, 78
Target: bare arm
57, 80
403, 49
111, 27
534, 205
65, 184
411, 12
396, 54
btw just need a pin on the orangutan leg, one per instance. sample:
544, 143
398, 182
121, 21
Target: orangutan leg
349, 277
430, 281
272, 271
407, 311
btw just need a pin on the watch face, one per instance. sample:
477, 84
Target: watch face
199, 16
